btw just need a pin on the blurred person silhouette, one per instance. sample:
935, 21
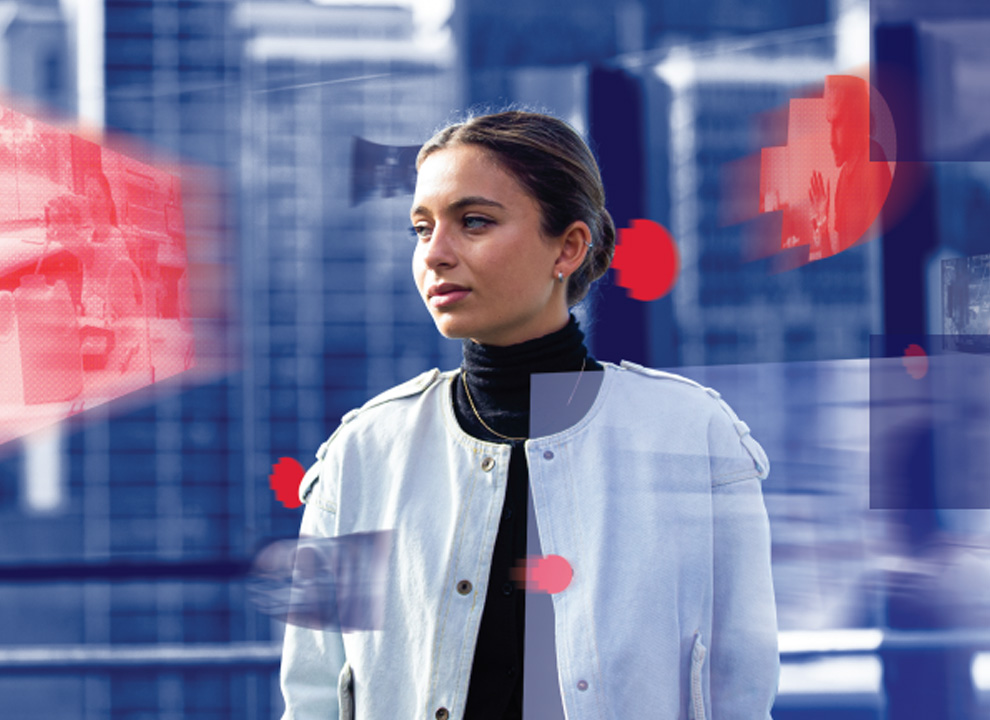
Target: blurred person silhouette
939, 582
645, 483
313, 594
863, 182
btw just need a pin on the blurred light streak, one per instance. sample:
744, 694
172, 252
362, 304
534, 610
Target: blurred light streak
319, 50
980, 669
796, 644
89, 22
136, 92
677, 69
739, 45
681, 70
396, 43
801, 642
93, 658
43, 471
852, 34
130, 570
832, 676
429, 15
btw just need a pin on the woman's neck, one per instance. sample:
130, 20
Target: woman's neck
498, 379
539, 327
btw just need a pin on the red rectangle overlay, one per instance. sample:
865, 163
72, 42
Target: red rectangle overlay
94, 291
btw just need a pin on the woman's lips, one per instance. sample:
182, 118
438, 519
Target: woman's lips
448, 298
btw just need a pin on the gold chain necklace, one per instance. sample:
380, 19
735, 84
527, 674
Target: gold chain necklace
474, 409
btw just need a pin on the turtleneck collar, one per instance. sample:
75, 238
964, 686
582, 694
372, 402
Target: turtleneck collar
499, 378
506, 366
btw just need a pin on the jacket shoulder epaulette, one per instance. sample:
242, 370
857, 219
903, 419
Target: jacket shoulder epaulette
755, 450
663, 375
407, 389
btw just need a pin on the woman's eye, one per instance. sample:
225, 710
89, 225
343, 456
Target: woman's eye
473, 222
420, 232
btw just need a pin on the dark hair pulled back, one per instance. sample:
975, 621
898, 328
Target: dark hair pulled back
555, 166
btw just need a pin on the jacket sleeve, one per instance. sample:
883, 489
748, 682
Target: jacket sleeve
313, 660
744, 660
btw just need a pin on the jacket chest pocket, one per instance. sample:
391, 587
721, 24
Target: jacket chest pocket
345, 693
697, 705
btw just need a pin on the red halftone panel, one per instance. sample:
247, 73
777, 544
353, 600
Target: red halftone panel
827, 189
94, 275
646, 260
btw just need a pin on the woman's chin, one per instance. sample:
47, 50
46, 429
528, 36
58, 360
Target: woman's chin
451, 327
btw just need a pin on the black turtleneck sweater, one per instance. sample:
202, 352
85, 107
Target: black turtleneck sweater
499, 380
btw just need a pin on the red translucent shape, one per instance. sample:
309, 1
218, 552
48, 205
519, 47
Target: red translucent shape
286, 475
915, 361
550, 574
823, 181
51, 367
646, 260
93, 275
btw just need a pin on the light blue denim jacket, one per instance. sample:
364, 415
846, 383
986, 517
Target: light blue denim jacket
655, 500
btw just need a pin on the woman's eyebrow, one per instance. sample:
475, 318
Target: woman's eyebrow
461, 204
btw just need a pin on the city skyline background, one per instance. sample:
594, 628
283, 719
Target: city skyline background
147, 513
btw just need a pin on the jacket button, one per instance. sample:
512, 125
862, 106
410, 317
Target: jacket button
487, 464
507, 589
582, 685
463, 587
442, 714
548, 455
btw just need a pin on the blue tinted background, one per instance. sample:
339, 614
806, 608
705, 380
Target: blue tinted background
152, 514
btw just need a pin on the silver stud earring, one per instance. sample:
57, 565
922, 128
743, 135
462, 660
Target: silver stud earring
560, 277
589, 243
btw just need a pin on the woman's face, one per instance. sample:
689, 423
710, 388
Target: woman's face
482, 265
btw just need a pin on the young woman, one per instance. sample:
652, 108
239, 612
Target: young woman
646, 484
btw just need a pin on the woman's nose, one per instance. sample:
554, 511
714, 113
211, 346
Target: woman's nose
439, 250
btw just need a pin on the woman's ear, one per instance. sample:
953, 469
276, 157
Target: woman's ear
576, 240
